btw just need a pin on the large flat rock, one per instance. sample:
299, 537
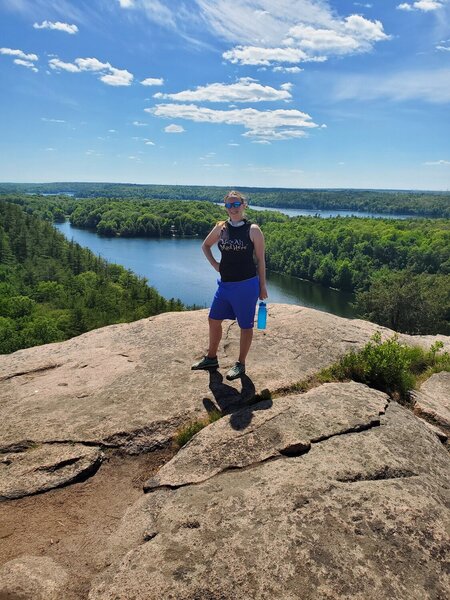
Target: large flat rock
362, 515
130, 385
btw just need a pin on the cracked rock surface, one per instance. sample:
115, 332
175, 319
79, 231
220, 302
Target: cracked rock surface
363, 514
287, 426
41, 468
432, 401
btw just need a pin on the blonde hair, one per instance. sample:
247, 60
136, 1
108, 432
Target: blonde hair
232, 194
236, 194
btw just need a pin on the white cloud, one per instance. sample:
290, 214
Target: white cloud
261, 28
155, 10
445, 163
26, 63
424, 5
19, 53
305, 42
216, 165
233, 144
287, 69
108, 74
428, 85
252, 55
174, 129
270, 124
52, 120
139, 124
58, 26
117, 77
153, 81
443, 48
149, 143
245, 89
112, 130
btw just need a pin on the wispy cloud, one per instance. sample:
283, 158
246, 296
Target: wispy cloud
423, 5
52, 120
22, 58
245, 89
174, 129
139, 124
19, 53
57, 26
153, 81
107, 73
270, 124
270, 33
26, 63
440, 163
154, 9
430, 86
287, 69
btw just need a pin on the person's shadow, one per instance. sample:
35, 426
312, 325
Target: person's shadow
240, 405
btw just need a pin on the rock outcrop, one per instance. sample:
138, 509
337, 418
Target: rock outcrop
336, 493
361, 513
130, 386
432, 403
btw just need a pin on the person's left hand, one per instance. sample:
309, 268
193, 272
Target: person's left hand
263, 292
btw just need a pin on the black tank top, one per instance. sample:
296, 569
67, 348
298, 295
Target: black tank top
236, 247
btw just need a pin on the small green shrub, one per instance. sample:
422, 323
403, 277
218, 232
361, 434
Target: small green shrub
390, 366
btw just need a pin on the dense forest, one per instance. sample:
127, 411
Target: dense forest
52, 289
431, 204
400, 269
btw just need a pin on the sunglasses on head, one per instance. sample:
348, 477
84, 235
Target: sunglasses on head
232, 204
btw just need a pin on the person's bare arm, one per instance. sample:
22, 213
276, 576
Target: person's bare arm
257, 237
211, 239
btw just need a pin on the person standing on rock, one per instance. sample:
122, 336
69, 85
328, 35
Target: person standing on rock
242, 280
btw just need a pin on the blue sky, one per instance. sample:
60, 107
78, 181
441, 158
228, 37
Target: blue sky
283, 93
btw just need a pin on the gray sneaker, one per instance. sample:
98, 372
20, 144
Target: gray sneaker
235, 372
205, 363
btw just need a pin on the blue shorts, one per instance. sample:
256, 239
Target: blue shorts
236, 300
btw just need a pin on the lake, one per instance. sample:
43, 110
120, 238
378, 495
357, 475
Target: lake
177, 268
306, 212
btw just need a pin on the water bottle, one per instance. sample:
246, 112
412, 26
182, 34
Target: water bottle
262, 315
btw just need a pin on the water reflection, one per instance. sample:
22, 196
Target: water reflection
177, 268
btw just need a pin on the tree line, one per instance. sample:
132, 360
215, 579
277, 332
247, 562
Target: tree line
408, 202
52, 289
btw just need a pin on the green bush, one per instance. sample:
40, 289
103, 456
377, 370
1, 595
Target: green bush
391, 366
